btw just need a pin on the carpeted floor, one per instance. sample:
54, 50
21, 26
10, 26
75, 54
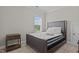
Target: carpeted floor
66, 48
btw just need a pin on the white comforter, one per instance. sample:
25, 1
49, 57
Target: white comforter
44, 35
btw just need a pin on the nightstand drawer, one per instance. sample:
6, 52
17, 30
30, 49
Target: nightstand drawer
10, 37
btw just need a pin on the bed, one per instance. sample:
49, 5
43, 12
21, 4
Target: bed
43, 42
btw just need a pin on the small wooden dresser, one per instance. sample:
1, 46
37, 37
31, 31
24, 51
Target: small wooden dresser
10, 44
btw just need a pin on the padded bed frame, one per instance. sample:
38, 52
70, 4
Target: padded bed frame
40, 45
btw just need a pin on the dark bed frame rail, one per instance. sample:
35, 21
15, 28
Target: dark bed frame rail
37, 44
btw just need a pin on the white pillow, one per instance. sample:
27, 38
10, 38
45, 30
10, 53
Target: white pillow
54, 30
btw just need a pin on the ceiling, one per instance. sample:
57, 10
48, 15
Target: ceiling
46, 8
49, 8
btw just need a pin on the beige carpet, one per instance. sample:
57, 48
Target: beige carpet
66, 48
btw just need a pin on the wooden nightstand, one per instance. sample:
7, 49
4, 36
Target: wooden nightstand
11, 38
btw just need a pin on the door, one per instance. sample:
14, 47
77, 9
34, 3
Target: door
75, 31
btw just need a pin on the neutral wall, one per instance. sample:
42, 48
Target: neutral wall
71, 14
18, 20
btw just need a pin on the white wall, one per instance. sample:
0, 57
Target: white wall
1, 41
18, 20
71, 14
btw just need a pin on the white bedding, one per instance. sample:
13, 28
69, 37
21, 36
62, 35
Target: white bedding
54, 30
44, 35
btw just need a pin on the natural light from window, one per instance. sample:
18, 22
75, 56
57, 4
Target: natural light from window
37, 23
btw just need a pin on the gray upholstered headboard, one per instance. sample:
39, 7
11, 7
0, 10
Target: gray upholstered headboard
61, 24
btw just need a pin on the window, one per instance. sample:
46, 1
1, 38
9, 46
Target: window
37, 23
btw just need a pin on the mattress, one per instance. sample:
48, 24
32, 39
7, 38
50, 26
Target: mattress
44, 35
55, 39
